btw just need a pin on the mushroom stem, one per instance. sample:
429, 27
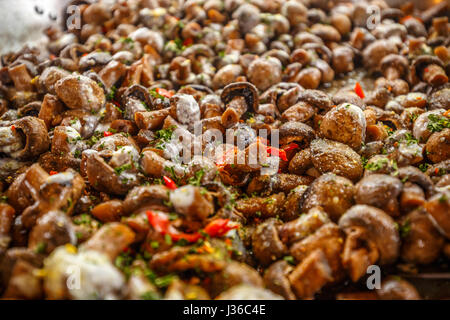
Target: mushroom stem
235, 109
434, 75
392, 73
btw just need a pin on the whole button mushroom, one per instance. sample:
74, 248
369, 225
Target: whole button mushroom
336, 157
437, 147
439, 99
342, 60
376, 51
238, 97
35, 135
372, 236
421, 241
430, 69
266, 242
381, 191
397, 289
185, 109
80, 92
423, 126
331, 192
394, 66
297, 132
346, 124
264, 72
103, 177
326, 32
226, 75
49, 77
52, 230
438, 206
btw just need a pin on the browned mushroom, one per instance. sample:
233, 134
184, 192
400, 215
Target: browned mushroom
429, 69
238, 97
394, 66
371, 236
381, 191
421, 241
266, 243
397, 289
80, 92
346, 124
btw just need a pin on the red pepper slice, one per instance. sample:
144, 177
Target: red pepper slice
291, 146
277, 153
165, 93
52, 173
107, 133
402, 20
219, 227
188, 42
170, 183
359, 91
161, 224
177, 236
13, 127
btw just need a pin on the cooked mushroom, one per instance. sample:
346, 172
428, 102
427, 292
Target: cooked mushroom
346, 124
80, 92
372, 236
238, 97
381, 191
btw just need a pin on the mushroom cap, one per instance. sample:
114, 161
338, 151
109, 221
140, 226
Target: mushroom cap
316, 98
36, 137
241, 89
267, 245
139, 92
424, 60
198, 50
380, 227
395, 60
414, 175
320, 49
95, 59
296, 131
103, 177
145, 195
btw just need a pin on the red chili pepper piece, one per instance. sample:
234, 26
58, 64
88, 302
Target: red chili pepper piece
107, 133
277, 153
177, 236
188, 42
164, 92
219, 227
359, 91
170, 183
161, 224
291, 146
13, 127
52, 173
